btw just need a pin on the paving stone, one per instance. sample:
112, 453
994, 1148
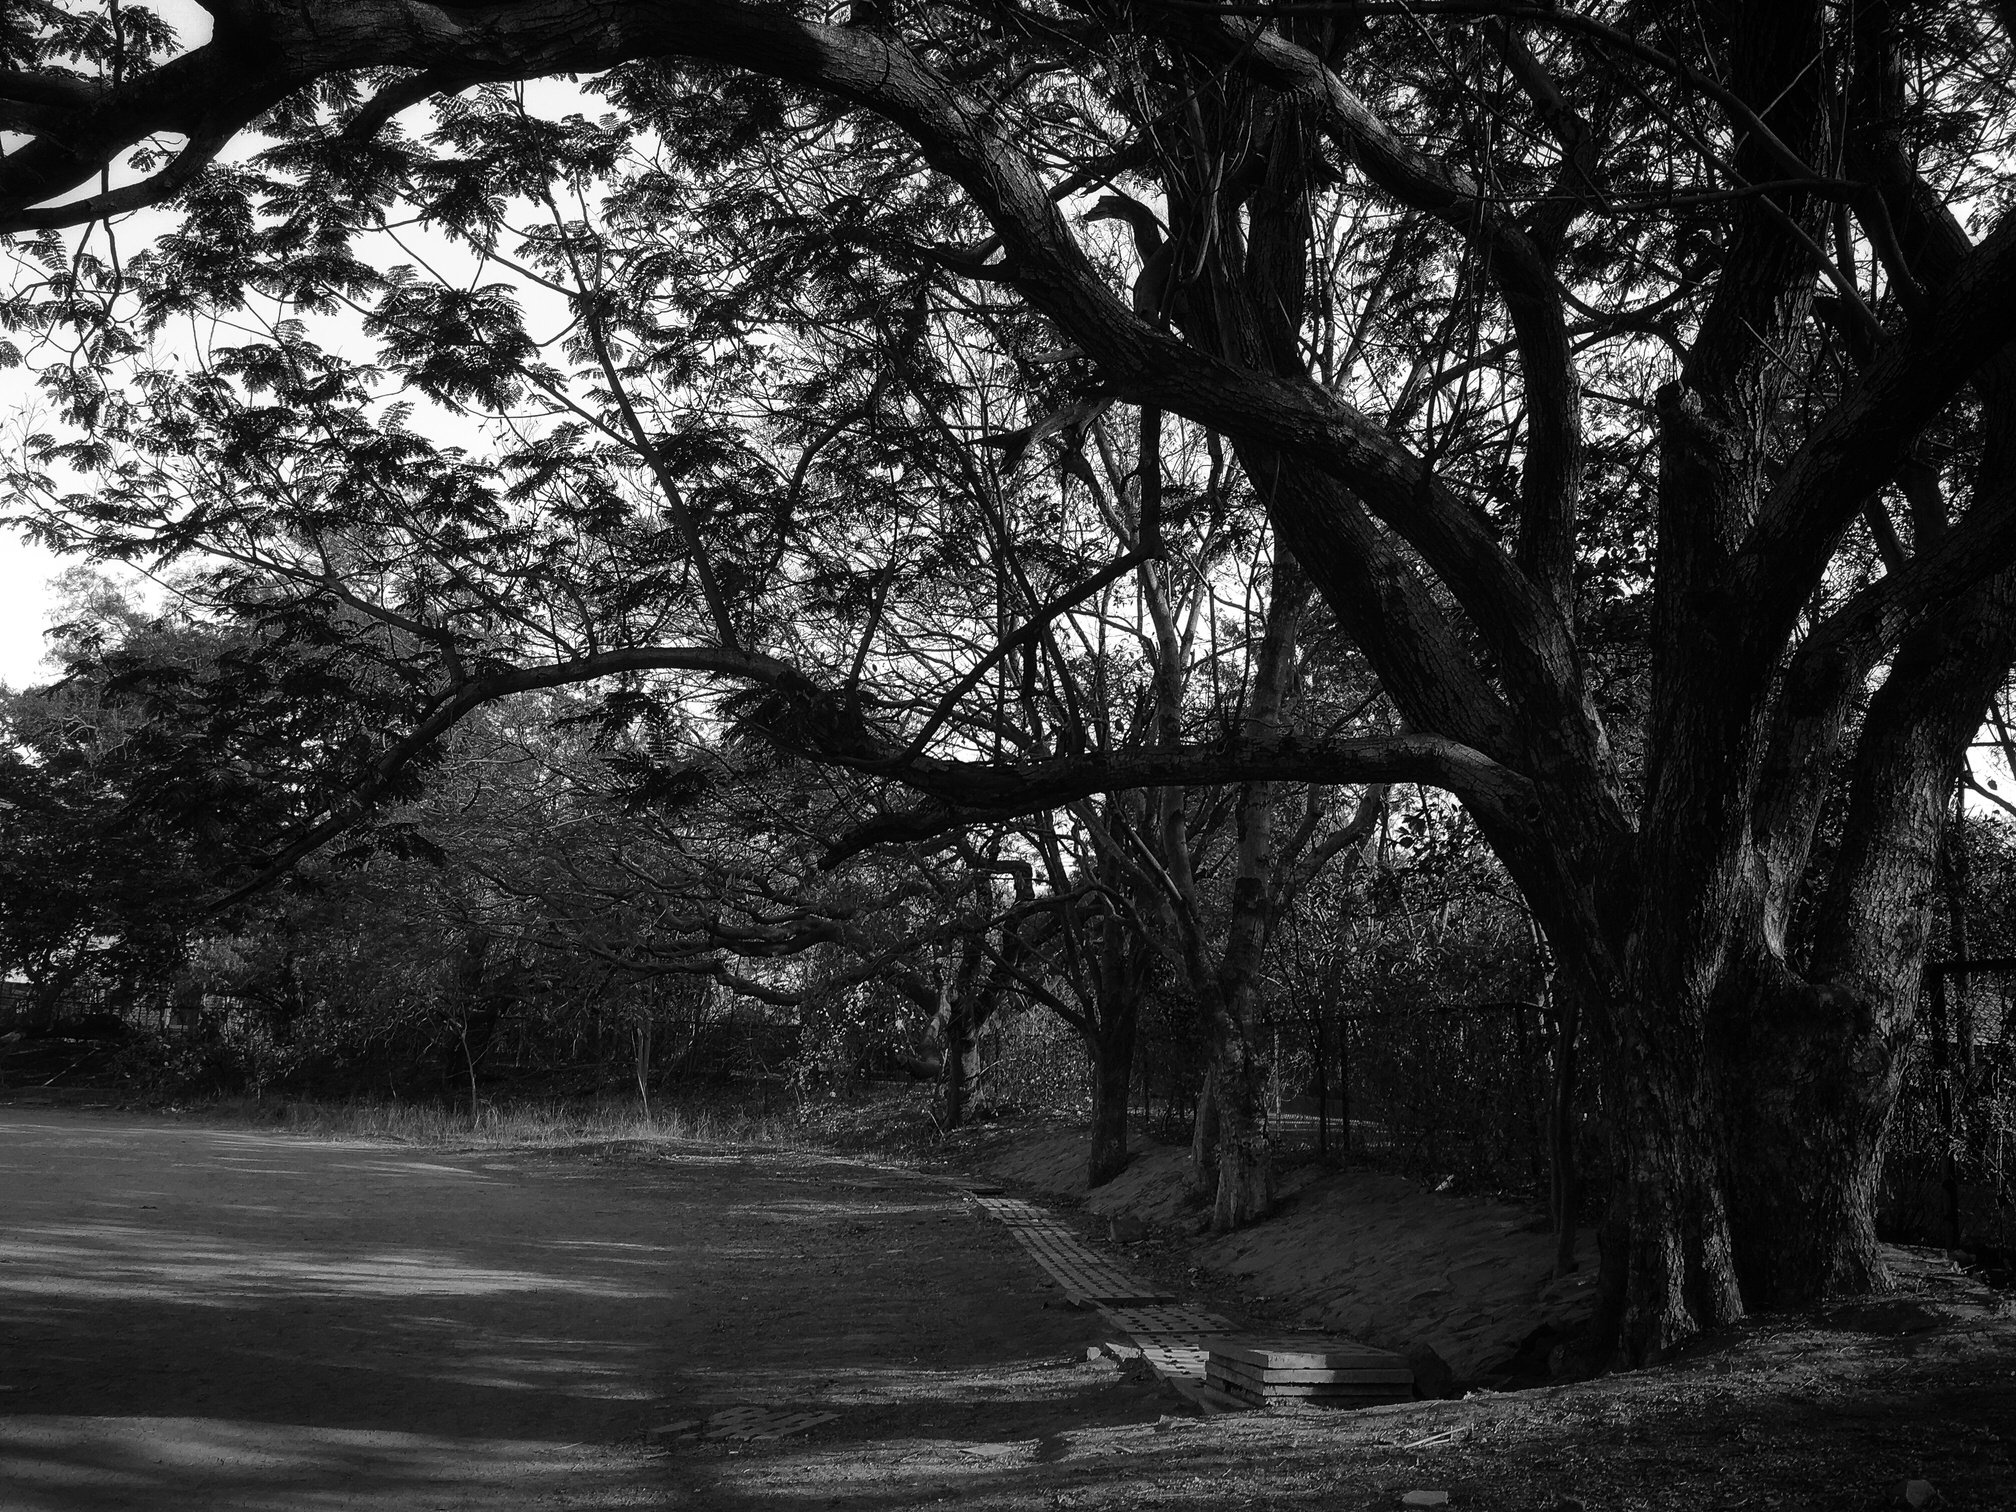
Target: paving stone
1181, 1318
1177, 1340
1307, 1354
1218, 1365
1319, 1396
1177, 1361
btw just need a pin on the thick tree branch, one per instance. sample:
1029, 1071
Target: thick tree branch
1550, 482
197, 154
402, 94
1868, 435
1828, 681
64, 90
966, 793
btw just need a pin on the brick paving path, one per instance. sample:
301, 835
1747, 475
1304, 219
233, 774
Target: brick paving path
1172, 1336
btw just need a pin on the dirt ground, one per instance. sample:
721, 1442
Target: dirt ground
1365, 1254
203, 1318
196, 1317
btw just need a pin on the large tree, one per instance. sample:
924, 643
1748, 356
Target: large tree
1473, 292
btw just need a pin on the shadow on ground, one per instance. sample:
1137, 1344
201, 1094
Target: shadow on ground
202, 1319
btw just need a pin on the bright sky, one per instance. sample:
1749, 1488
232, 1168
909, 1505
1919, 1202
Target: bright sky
26, 601
25, 605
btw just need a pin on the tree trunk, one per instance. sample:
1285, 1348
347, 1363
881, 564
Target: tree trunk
1322, 1090
1243, 1163
644, 1066
469, 1061
1817, 1076
964, 1005
960, 1069
1204, 1132
1245, 1178
1951, 1010
1228, 990
1119, 966
1668, 1271
1563, 1183
1112, 1076
1942, 1081
1344, 1087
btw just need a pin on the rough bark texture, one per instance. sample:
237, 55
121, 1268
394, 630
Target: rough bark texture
1122, 980
966, 1002
1112, 1078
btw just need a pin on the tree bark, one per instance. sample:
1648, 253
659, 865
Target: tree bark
1229, 989
1563, 1178
1204, 1132
960, 1068
1244, 1166
1112, 1079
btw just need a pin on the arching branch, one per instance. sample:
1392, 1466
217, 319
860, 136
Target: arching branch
963, 793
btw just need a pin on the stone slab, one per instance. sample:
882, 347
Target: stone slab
1308, 1354
1156, 1319
1294, 1376
1174, 1362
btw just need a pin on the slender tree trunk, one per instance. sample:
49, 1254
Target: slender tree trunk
469, 1060
1322, 1090
1112, 1077
469, 975
644, 1066
1563, 1184
1117, 966
1942, 1081
1245, 1163
963, 1007
1228, 991
1344, 1086
1204, 1131
1951, 1012
961, 1067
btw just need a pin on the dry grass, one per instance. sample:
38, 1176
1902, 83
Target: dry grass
534, 1123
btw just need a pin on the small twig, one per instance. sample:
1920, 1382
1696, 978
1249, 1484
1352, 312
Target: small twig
1436, 1438
67, 1069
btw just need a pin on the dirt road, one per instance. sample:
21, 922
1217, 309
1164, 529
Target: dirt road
198, 1318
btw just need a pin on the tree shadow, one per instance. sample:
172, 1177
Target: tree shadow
222, 1321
